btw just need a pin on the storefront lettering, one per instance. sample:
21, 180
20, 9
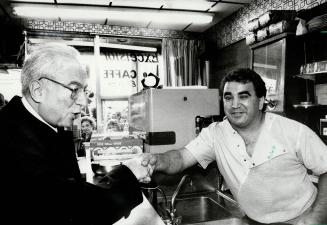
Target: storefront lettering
140, 57
132, 74
144, 58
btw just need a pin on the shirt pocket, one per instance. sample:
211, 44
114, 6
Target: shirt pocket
267, 148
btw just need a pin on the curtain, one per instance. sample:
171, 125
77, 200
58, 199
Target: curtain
182, 66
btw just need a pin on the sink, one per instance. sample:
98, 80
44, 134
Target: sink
199, 209
204, 210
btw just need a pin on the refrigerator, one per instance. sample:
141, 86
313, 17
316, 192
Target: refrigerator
165, 118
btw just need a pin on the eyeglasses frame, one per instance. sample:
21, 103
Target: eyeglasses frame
75, 91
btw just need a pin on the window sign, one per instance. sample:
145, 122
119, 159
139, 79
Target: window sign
120, 75
122, 72
117, 76
145, 69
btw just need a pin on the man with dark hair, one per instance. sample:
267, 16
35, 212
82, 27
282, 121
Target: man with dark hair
87, 125
263, 157
246, 75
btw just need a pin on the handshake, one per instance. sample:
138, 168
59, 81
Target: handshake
142, 166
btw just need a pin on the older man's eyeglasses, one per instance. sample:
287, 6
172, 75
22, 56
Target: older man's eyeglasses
75, 91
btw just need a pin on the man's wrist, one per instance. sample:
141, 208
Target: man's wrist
161, 162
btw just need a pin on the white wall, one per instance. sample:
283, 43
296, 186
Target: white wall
10, 84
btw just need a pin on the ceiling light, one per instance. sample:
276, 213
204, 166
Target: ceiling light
121, 14
48, 12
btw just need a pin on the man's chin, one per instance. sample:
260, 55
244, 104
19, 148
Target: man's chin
237, 122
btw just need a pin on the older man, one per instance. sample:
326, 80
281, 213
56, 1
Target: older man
41, 179
263, 157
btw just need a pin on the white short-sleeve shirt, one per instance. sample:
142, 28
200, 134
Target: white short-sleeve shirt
273, 185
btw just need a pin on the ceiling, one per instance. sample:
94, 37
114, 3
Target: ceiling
91, 11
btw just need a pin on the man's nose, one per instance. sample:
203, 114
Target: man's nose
235, 103
81, 99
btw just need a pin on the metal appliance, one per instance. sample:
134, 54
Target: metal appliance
166, 117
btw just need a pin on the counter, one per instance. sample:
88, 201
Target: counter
145, 214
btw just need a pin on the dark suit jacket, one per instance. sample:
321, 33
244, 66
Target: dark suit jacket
41, 181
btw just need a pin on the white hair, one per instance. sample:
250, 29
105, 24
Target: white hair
47, 60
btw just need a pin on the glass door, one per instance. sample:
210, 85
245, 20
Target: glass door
268, 61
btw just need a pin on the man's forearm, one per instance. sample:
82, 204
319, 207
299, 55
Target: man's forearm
320, 205
170, 162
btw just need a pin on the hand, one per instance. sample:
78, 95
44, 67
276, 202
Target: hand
149, 160
141, 172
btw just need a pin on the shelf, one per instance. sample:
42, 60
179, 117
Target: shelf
305, 106
311, 76
308, 14
271, 39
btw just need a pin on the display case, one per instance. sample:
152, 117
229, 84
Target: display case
314, 63
314, 71
277, 59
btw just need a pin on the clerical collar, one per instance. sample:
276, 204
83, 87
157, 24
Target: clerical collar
35, 114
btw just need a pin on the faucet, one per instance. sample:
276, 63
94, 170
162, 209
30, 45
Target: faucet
219, 190
173, 198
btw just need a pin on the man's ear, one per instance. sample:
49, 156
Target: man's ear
261, 102
36, 91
